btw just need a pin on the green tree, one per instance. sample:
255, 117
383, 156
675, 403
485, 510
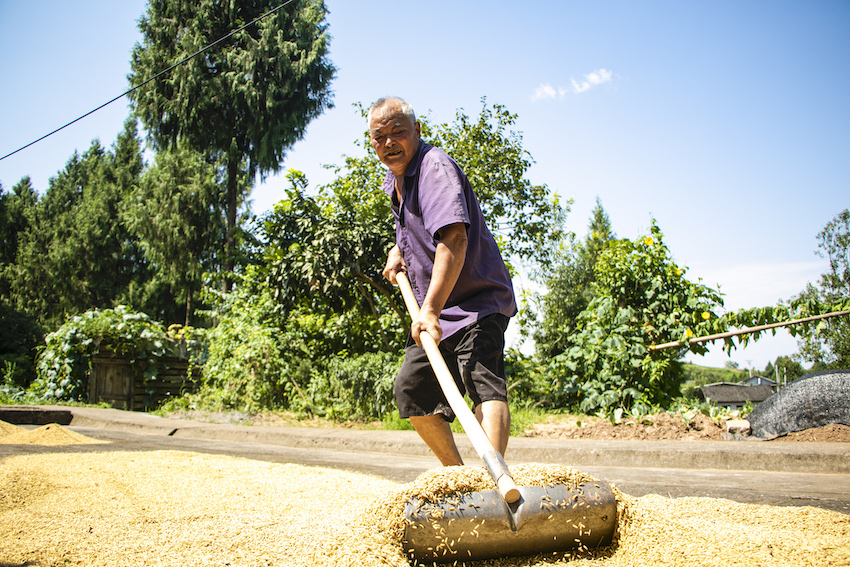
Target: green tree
640, 298
17, 215
323, 256
828, 345
569, 287
246, 102
525, 218
784, 369
176, 213
76, 254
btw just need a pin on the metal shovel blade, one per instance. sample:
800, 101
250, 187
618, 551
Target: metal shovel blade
481, 525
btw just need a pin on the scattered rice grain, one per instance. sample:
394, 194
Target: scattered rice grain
171, 508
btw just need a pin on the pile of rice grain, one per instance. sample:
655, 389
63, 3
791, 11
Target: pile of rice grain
186, 509
8, 429
50, 434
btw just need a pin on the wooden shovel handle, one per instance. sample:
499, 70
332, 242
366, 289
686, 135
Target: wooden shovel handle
506, 485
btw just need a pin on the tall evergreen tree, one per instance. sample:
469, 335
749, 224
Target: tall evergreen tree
176, 215
76, 254
17, 215
246, 101
569, 286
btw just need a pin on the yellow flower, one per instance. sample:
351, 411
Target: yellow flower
648, 241
689, 333
706, 315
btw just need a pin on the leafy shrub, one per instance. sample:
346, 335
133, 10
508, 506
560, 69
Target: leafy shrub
245, 366
359, 387
527, 384
65, 362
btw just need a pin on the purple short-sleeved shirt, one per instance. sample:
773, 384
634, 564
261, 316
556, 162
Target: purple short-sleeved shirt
436, 194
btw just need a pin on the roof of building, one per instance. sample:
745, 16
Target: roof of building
755, 380
728, 393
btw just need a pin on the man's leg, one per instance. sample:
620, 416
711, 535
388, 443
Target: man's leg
437, 434
495, 418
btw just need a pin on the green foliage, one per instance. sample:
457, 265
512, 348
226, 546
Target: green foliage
76, 254
244, 103
245, 367
525, 218
641, 297
569, 288
827, 342
17, 215
259, 358
20, 336
688, 409
327, 259
358, 387
74, 251
177, 215
784, 370
65, 362
527, 382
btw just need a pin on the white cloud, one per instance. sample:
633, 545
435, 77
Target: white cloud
596, 78
546, 91
543, 92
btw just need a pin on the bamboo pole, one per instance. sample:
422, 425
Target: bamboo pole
745, 331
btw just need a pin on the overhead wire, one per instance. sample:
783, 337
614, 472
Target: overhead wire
161, 73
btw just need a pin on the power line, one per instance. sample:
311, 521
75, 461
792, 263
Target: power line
105, 104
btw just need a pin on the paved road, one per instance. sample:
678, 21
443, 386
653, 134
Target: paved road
401, 457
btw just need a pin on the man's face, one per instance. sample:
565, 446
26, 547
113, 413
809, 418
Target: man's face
394, 137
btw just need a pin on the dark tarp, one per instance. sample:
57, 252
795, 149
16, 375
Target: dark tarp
814, 400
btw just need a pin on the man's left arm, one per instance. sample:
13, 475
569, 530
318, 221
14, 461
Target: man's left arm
448, 263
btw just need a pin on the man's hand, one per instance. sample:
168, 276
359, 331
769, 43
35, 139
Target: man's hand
395, 264
427, 322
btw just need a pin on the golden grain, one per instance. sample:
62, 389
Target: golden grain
169, 508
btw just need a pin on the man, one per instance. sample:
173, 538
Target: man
458, 277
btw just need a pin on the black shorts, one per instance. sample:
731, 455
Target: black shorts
475, 357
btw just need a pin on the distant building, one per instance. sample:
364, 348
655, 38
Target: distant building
756, 380
734, 396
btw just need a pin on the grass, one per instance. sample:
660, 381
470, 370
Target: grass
521, 419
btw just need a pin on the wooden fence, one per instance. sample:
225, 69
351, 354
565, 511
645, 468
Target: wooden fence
114, 381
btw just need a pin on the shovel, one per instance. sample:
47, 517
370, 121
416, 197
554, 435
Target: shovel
510, 520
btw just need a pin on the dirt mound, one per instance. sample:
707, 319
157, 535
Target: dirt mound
658, 427
667, 427
113, 509
51, 434
832, 433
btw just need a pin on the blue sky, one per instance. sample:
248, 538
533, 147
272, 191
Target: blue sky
725, 121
